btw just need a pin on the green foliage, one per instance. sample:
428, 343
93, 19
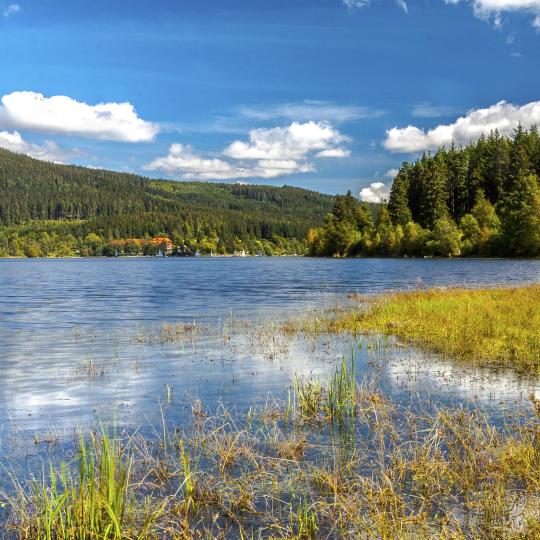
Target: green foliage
48, 209
445, 239
483, 199
96, 501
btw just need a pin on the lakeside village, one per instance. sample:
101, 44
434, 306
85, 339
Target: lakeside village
162, 246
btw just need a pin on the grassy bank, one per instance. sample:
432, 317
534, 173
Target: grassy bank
336, 460
496, 327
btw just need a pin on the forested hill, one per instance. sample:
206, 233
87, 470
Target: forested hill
50, 209
480, 200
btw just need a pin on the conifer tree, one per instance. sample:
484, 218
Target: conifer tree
398, 202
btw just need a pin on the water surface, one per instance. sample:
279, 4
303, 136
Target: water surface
79, 338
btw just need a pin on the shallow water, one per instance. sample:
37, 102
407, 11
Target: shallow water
80, 338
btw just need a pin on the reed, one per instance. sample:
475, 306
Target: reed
92, 499
445, 473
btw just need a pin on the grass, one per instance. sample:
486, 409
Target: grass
407, 473
93, 498
336, 459
497, 327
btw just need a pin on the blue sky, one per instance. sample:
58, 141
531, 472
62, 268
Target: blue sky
325, 94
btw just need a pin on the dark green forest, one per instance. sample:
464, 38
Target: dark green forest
478, 200
48, 209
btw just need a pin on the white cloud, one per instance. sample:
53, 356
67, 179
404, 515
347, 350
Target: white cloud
311, 110
181, 158
356, 3
375, 193
183, 162
428, 110
11, 9
494, 9
64, 115
333, 153
502, 116
292, 142
403, 5
268, 153
48, 151
391, 173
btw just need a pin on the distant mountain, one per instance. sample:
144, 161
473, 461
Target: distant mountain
49, 209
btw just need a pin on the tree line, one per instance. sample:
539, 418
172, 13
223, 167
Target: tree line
479, 200
49, 209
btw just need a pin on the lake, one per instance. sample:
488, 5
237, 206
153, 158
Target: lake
80, 338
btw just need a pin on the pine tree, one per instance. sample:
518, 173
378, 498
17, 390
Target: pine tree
434, 205
521, 217
457, 164
398, 203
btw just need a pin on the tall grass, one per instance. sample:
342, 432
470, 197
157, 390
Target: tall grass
336, 400
93, 499
444, 474
497, 327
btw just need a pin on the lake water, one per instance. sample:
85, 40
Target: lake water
81, 340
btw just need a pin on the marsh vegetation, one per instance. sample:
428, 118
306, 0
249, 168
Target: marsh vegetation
331, 449
496, 327
335, 460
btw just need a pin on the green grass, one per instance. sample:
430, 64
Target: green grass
444, 474
497, 327
92, 498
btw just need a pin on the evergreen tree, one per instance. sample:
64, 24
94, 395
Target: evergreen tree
434, 204
521, 217
398, 202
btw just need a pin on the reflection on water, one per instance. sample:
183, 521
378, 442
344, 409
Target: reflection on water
81, 340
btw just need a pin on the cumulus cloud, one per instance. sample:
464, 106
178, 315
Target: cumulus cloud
333, 153
311, 110
48, 151
181, 160
64, 115
502, 116
494, 9
268, 153
375, 193
11, 9
292, 142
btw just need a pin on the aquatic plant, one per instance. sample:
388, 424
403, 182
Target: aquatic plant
497, 327
447, 473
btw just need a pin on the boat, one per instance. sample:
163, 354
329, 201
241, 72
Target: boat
197, 254
243, 253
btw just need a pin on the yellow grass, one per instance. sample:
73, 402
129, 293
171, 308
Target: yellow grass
498, 327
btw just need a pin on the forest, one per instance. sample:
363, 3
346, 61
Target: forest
479, 200
50, 210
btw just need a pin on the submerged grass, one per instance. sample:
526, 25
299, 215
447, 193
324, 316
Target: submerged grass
93, 498
337, 459
498, 327
405, 474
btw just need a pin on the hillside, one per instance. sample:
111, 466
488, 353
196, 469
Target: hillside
49, 209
